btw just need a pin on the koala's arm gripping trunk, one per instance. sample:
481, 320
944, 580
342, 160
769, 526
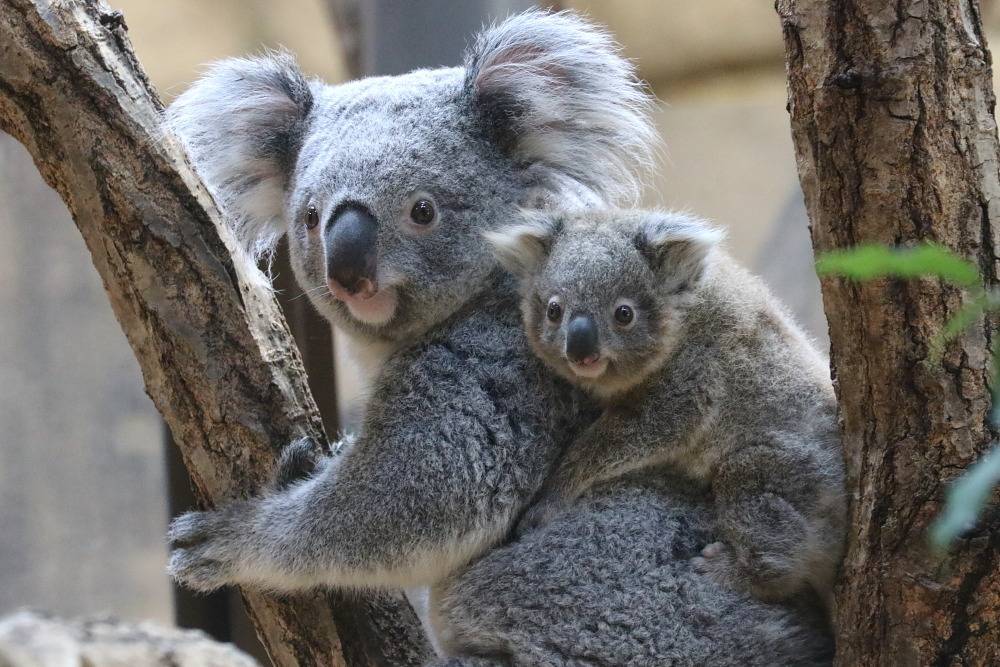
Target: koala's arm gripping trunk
369, 518
215, 354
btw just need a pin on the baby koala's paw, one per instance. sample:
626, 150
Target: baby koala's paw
765, 547
714, 562
718, 562
207, 547
768, 578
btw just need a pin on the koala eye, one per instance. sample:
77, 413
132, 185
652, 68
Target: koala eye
554, 311
624, 315
312, 217
423, 212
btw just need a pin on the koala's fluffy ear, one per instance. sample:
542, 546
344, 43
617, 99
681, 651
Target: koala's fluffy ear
242, 125
676, 246
522, 248
553, 93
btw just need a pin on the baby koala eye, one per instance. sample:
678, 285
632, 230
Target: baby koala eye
423, 212
624, 315
312, 217
554, 311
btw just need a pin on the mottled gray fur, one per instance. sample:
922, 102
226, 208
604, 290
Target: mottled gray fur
698, 368
464, 423
610, 583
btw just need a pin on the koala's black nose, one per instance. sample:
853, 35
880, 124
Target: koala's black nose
351, 250
581, 340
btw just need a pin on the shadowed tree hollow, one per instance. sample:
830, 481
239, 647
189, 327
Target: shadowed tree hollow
891, 108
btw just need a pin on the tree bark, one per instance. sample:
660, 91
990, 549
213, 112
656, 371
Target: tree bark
891, 108
214, 350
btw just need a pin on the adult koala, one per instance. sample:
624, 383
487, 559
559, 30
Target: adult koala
384, 187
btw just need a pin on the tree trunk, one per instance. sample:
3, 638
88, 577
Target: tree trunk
892, 117
213, 346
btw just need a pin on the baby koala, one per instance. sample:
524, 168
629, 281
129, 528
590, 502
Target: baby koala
697, 367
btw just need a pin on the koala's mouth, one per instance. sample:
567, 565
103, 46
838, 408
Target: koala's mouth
589, 369
371, 307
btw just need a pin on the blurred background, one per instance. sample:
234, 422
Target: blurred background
84, 459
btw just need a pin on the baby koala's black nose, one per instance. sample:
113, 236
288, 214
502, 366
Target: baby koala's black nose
581, 340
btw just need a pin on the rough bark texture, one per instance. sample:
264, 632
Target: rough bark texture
214, 350
892, 116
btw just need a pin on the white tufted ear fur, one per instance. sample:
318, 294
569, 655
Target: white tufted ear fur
552, 91
242, 125
677, 246
522, 248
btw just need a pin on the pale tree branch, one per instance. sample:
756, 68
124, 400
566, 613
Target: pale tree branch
212, 344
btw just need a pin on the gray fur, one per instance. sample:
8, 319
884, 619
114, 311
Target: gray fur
629, 597
243, 125
552, 93
710, 377
367, 517
464, 423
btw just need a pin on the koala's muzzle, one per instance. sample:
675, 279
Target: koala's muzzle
352, 251
582, 345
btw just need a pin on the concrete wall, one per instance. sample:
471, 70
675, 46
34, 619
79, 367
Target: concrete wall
82, 502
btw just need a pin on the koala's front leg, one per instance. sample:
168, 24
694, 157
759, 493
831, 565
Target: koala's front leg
435, 479
771, 535
223, 546
342, 527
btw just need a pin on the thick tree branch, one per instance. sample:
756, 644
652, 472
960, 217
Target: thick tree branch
892, 116
214, 350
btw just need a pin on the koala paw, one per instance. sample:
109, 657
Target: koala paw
717, 562
298, 460
763, 578
206, 548
713, 561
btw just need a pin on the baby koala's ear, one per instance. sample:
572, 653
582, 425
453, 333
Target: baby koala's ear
676, 245
523, 248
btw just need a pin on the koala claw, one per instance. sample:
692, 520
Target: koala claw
191, 528
197, 573
713, 550
205, 547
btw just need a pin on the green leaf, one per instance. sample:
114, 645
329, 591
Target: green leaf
966, 498
871, 261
